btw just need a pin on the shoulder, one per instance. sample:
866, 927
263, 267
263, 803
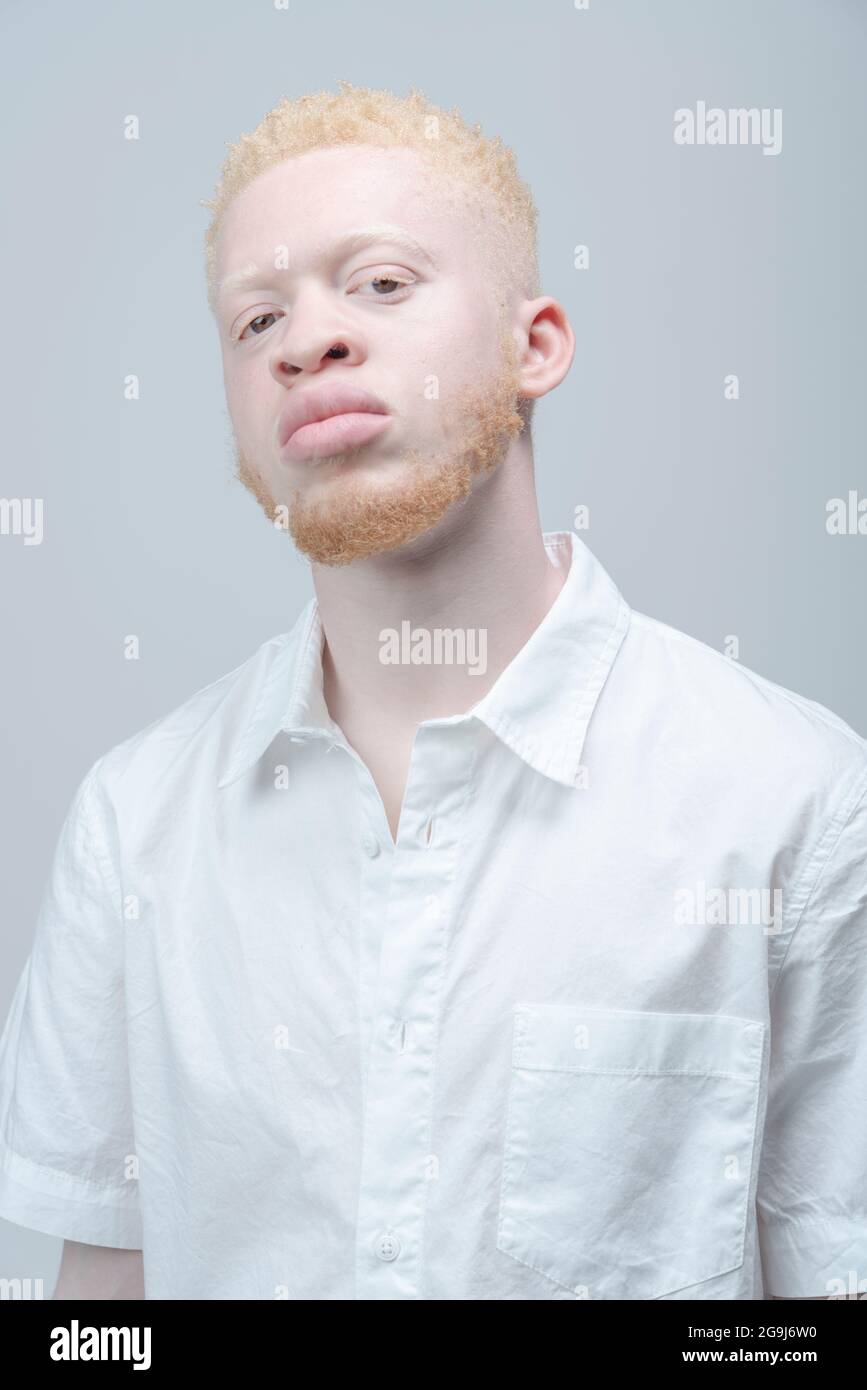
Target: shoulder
713, 690
748, 750
190, 740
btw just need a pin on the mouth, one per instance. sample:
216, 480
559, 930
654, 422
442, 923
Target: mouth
335, 432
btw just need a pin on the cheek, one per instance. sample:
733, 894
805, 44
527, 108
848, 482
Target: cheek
245, 395
231, 384
446, 345
472, 330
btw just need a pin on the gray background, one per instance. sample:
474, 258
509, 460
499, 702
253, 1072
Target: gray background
709, 515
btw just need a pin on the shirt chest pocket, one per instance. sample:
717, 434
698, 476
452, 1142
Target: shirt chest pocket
629, 1147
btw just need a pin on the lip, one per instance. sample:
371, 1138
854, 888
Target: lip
327, 416
336, 432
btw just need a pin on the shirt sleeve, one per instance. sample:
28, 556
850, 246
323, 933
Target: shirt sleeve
811, 1201
67, 1156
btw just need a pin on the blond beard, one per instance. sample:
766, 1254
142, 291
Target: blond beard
356, 518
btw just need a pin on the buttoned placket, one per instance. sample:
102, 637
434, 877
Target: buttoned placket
406, 906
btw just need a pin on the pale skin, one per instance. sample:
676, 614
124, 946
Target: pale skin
484, 564
99, 1272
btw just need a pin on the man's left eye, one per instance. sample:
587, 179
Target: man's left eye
386, 285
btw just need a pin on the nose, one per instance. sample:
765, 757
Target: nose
313, 334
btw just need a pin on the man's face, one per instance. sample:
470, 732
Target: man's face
417, 326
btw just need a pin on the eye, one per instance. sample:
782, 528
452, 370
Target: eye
386, 286
258, 320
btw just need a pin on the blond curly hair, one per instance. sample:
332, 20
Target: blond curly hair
483, 169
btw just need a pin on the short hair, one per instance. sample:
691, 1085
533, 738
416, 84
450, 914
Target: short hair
482, 167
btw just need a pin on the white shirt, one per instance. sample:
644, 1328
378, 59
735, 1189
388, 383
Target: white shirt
290, 1059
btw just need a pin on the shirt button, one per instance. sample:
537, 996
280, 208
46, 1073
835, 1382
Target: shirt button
371, 846
387, 1246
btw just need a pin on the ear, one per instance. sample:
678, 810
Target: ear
547, 345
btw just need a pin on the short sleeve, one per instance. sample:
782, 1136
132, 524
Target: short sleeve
67, 1157
811, 1200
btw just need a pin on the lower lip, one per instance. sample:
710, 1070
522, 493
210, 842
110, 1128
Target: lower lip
336, 433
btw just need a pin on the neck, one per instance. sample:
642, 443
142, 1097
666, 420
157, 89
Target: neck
483, 571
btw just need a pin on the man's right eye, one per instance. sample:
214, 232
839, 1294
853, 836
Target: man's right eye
257, 320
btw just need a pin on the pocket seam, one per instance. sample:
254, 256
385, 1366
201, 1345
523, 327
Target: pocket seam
639, 1071
753, 1051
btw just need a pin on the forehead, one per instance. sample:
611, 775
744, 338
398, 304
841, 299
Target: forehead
310, 200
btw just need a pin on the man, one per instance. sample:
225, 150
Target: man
481, 937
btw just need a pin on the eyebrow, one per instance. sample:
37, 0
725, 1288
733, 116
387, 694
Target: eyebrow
348, 245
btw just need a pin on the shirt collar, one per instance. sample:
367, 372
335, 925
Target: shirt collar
540, 706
